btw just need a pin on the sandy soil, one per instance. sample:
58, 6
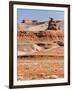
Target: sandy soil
31, 68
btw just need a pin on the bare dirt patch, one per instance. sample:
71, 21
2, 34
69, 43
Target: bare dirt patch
35, 68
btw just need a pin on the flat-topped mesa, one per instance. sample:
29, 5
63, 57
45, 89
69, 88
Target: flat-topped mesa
28, 21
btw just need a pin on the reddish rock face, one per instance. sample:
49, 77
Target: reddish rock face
50, 35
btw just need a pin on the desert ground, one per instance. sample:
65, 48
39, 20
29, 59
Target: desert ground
40, 52
45, 67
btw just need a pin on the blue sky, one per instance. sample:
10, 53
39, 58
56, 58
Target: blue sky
40, 15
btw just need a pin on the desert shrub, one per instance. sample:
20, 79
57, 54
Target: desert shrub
40, 34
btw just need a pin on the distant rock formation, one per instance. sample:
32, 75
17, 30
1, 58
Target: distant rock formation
52, 25
34, 25
28, 21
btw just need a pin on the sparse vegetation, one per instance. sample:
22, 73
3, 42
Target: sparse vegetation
40, 34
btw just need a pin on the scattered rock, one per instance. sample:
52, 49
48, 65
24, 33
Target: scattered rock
60, 43
52, 77
42, 74
34, 77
